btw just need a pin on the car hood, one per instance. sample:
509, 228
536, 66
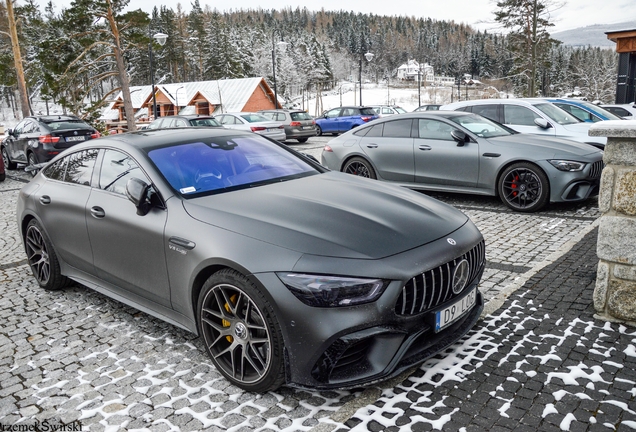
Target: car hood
331, 214
553, 146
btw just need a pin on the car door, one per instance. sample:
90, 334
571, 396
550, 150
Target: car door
349, 117
26, 134
331, 120
128, 249
439, 160
61, 202
389, 146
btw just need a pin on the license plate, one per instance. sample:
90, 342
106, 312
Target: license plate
452, 313
76, 138
306, 127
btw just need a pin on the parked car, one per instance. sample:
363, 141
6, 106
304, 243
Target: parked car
179, 121
454, 151
584, 111
287, 271
533, 116
298, 124
430, 107
342, 119
626, 111
387, 110
38, 139
253, 122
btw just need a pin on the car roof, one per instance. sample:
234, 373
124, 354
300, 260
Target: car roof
149, 139
53, 118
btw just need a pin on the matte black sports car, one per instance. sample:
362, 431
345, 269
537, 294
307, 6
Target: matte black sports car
288, 272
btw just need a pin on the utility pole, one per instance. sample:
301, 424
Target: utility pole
19, 71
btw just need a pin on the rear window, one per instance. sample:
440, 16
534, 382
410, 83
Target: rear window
253, 118
68, 124
205, 122
297, 116
367, 111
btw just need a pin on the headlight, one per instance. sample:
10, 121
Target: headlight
566, 165
332, 291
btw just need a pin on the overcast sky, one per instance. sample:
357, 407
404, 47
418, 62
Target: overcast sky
478, 13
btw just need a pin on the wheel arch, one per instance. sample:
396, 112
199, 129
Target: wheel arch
358, 155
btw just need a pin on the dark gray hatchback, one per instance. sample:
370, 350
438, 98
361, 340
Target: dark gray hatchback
288, 272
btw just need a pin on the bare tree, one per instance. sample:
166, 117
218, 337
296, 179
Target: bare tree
17, 56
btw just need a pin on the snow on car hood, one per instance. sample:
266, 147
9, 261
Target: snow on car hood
331, 214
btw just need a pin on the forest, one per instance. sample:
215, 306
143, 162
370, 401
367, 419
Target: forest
68, 55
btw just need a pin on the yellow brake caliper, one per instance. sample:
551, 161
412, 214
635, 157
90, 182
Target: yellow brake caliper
226, 323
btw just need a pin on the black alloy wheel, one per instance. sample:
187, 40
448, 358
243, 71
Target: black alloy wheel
524, 187
42, 258
240, 332
7, 162
360, 167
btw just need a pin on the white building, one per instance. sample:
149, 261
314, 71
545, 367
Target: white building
409, 71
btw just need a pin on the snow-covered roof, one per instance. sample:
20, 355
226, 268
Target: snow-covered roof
232, 94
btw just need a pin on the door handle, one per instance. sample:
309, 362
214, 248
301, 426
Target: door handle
98, 212
45, 199
425, 147
372, 145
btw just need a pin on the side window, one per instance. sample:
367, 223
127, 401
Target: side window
117, 169
398, 129
19, 127
375, 131
518, 115
434, 129
56, 171
348, 112
488, 111
332, 113
80, 167
180, 123
387, 111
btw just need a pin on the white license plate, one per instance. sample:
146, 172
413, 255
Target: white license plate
306, 127
452, 313
76, 138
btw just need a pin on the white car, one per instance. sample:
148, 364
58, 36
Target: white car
387, 110
533, 116
254, 122
627, 111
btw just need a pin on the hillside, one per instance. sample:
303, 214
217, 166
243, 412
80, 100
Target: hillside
593, 36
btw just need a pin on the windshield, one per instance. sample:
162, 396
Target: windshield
557, 114
600, 110
400, 110
226, 163
481, 126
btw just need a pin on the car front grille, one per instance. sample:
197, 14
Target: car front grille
432, 288
597, 169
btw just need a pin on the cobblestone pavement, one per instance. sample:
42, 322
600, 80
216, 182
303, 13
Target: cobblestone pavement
540, 362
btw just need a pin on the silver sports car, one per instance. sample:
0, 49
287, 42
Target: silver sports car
461, 152
288, 272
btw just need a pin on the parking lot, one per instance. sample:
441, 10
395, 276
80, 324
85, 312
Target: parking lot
78, 356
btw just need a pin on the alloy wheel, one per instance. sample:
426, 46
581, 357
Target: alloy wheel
235, 333
522, 188
38, 255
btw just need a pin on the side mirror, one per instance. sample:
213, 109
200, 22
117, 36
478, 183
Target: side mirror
542, 123
137, 193
460, 137
10, 131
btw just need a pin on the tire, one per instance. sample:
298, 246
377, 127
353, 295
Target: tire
318, 131
524, 187
33, 160
7, 162
3, 176
302, 140
360, 167
42, 258
241, 332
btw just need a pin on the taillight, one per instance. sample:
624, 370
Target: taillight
95, 135
294, 123
48, 139
366, 119
257, 128
327, 149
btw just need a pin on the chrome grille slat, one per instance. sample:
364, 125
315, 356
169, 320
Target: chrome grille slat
433, 287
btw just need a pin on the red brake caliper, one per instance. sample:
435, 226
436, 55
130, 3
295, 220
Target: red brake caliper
514, 185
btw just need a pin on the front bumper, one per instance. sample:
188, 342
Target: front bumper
351, 346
